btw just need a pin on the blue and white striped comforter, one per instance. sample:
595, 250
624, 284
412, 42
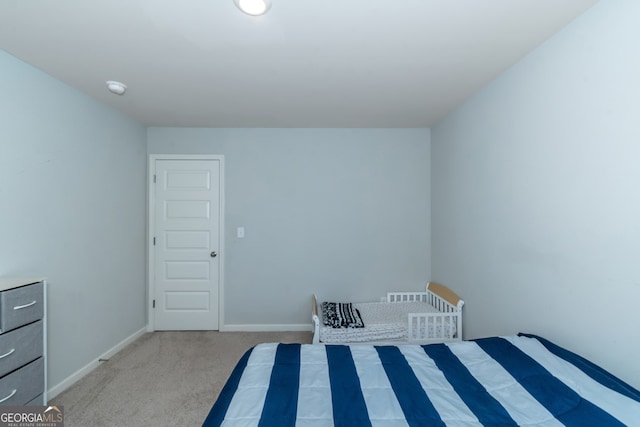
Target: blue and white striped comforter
493, 381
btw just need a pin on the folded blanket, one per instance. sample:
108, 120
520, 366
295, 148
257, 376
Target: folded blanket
341, 315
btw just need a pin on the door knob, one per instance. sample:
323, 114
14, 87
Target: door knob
214, 254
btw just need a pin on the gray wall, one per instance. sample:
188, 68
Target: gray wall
536, 197
72, 194
343, 213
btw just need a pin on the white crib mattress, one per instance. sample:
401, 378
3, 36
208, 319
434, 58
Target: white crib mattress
382, 322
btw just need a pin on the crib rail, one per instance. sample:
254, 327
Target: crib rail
428, 297
407, 297
434, 327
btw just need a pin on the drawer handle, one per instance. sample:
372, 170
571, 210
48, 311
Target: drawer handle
15, 390
20, 307
8, 353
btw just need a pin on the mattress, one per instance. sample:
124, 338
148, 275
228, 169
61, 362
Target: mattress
382, 322
498, 381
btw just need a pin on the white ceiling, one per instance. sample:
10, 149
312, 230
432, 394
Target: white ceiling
331, 63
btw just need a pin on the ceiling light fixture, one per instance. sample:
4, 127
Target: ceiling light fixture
116, 87
253, 7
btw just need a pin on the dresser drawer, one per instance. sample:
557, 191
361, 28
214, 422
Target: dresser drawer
20, 347
37, 401
23, 385
21, 305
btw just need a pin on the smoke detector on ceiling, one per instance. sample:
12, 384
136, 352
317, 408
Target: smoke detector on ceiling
116, 87
253, 7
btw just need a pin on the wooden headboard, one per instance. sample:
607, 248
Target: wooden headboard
445, 293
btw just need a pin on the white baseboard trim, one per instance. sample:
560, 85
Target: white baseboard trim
304, 327
73, 378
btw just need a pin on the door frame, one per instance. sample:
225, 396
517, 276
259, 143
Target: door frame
151, 205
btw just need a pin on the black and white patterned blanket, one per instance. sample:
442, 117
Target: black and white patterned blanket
341, 315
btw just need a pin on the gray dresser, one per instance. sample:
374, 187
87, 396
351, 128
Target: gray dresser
22, 342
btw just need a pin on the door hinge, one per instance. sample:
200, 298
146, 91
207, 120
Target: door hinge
154, 303
154, 178
154, 241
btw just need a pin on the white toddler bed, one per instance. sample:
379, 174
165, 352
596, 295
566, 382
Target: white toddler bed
412, 317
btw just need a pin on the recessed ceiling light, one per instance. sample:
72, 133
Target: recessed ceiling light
116, 87
253, 7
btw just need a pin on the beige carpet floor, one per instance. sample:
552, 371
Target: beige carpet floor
162, 379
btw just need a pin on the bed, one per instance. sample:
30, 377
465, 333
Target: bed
497, 381
403, 317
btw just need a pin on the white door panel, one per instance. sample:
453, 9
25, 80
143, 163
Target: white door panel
187, 241
179, 239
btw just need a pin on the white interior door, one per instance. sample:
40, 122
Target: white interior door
187, 244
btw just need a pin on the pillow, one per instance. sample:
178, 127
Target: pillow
341, 315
